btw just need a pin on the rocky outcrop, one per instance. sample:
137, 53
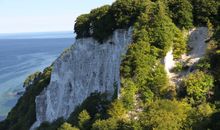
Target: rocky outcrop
169, 62
197, 44
85, 68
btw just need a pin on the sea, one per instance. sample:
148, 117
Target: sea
22, 54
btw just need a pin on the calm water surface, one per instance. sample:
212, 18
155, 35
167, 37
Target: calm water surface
22, 55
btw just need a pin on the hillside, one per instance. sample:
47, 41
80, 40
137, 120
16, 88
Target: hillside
135, 65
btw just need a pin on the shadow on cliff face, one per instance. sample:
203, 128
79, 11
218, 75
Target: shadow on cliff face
96, 105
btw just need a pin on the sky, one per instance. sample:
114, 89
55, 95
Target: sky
18, 16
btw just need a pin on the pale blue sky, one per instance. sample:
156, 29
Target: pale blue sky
43, 15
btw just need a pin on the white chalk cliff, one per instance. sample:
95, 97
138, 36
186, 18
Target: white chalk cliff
87, 67
197, 38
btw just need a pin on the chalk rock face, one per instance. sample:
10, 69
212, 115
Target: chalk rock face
169, 62
85, 68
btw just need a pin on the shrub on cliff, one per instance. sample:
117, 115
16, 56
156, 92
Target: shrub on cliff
31, 79
101, 22
155, 31
203, 10
165, 115
198, 85
181, 12
109, 124
84, 118
67, 126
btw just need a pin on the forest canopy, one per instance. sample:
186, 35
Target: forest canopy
147, 100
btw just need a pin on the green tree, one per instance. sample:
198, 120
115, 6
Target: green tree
179, 43
84, 119
181, 13
95, 24
165, 115
128, 93
117, 110
101, 28
197, 85
148, 75
109, 124
199, 117
210, 28
31, 79
125, 12
154, 35
203, 10
82, 26
160, 28
204, 64
67, 126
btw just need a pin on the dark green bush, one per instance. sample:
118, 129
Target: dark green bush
51, 126
101, 22
204, 10
198, 85
181, 13
144, 79
82, 26
96, 105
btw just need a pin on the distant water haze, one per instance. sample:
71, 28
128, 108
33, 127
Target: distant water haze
37, 35
22, 54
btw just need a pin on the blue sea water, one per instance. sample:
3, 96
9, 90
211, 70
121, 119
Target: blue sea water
22, 55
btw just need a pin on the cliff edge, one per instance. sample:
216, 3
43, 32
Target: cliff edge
85, 68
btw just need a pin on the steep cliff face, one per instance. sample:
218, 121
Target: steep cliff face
86, 67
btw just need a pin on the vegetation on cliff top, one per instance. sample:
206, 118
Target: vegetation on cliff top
147, 100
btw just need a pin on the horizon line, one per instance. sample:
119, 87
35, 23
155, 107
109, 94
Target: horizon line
53, 31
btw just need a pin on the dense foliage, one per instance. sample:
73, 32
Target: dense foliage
67, 126
147, 101
101, 22
165, 115
181, 12
198, 85
204, 10
31, 79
